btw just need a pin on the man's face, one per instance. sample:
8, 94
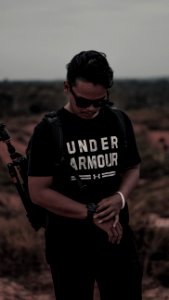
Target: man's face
85, 98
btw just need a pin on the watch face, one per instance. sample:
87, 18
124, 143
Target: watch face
91, 209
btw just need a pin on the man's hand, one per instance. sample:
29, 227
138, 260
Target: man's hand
108, 209
114, 232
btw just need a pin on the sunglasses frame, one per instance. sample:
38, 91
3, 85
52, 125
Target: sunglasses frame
84, 103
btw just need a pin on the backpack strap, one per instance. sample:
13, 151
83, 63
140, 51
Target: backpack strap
54, 121
120, 119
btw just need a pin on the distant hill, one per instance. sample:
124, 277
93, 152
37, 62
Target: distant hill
27, 97
133, 94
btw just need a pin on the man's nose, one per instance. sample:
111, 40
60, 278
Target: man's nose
92, 108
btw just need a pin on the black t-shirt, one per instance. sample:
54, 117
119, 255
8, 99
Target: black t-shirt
95, 150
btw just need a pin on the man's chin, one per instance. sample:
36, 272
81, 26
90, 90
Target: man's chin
88, 116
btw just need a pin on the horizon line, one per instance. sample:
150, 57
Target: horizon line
63, 79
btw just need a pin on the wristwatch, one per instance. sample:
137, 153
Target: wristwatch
91, 209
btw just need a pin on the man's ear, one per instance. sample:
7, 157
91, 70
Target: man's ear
66, 87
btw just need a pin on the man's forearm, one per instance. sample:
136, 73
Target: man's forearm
129, 181
60, 204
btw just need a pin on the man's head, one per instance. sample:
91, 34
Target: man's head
89, 77
91, 66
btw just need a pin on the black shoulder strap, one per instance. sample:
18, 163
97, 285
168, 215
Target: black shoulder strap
53, 121
120, 119
52, 118
57, 133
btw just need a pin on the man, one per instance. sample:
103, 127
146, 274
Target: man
88, 236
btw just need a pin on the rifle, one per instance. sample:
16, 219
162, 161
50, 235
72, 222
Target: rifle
17, 169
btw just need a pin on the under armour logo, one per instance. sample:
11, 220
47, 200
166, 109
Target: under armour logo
96, 176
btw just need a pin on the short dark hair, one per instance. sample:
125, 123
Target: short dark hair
91, 66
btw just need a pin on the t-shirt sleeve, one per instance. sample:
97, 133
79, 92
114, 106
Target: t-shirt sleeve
41, 151
131, 153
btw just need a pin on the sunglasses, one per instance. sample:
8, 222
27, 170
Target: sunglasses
84, 103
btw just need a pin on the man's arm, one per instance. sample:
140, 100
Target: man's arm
43, 195
109, 208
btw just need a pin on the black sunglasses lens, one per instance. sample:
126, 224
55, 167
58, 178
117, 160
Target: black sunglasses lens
98, 104
83, 103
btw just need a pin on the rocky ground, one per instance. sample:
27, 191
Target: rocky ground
12, 290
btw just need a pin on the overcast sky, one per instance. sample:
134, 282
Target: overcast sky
39, 37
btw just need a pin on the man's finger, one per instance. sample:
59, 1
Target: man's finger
116, 220
120, 232
108, 217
